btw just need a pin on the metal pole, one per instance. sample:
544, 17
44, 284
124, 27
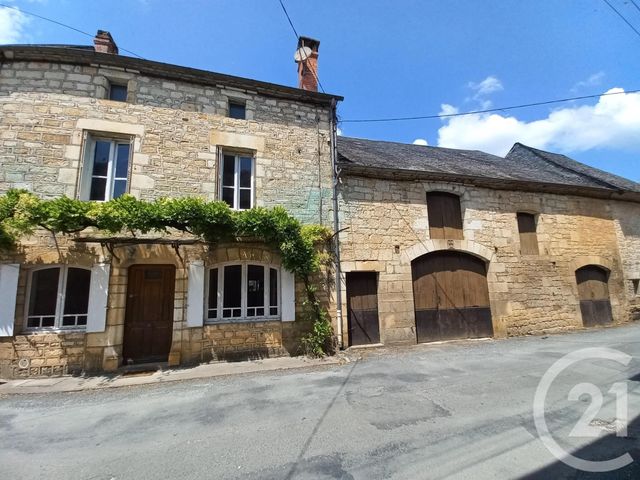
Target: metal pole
336, 221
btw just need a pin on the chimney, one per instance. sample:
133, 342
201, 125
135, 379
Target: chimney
103, 42
307, 59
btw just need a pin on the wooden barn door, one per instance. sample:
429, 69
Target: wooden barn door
451, 297
148, 325
594, 295
362, 308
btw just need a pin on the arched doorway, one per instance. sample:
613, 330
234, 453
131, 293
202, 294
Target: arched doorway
593, 291
451, 296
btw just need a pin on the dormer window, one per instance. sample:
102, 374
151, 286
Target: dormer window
117, 93
237, 109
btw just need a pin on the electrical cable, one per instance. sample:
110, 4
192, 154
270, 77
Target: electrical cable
62, 25
295, 32
488, 110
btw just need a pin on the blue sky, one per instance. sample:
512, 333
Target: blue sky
403, 58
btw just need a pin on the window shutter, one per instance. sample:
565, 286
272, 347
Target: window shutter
195, 295
84, 177
8, 291
98, 295
288, 281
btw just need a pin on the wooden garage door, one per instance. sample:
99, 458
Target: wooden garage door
362, 308
594, 295
451, 297
148, 324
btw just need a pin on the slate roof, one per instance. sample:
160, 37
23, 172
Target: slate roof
523, 166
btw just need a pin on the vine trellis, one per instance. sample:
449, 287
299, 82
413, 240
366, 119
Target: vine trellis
22, 213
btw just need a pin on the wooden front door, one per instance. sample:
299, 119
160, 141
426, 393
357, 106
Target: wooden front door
594, 296
451, 297
148, 324
362, 308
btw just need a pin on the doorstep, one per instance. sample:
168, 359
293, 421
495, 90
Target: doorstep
131, 377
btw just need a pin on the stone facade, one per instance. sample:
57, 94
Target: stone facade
177, 129
386, 226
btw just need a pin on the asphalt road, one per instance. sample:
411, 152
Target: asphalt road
457, 410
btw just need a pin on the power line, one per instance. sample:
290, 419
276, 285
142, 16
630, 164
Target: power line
489, 110
622, 17
62, 25
295, 32
289, 19
635, 5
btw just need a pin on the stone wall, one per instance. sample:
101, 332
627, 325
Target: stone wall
386, 227
178, 130
62, 352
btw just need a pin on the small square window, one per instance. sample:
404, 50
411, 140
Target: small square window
117, 93
237, 110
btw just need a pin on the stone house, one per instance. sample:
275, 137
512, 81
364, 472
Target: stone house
433, 243
439, 243
90, 124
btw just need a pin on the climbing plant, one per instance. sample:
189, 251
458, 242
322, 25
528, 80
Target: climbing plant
22, 212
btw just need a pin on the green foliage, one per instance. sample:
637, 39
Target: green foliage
317, 342
22, 212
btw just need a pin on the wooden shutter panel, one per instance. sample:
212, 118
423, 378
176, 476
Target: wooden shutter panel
528, 235
98, 297
195, 295
8, 292
288, 282
445, 216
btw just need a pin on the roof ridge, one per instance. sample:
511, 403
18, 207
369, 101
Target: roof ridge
346, 137
565, 167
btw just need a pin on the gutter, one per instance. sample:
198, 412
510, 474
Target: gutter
336, 221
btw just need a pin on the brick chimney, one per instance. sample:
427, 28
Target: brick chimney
103, 42
307, 64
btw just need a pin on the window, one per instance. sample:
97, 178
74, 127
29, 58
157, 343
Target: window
242, 292
528, 237
237, 181
237, 109
635, 283
117, 92
106, 169
445, 217
58, 297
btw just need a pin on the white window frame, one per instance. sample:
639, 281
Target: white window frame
236, 178
87, 165
243, 296
60, 299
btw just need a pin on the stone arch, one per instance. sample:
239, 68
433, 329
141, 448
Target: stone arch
433, 245
585, 260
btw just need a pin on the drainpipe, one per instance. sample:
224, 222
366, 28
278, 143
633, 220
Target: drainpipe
336, 221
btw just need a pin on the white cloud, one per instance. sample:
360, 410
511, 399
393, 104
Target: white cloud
339, 131
12, 25
613, 122
420, 141
593, 81
485, 87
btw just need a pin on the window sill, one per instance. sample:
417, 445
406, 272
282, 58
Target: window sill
241, 320
45, 331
